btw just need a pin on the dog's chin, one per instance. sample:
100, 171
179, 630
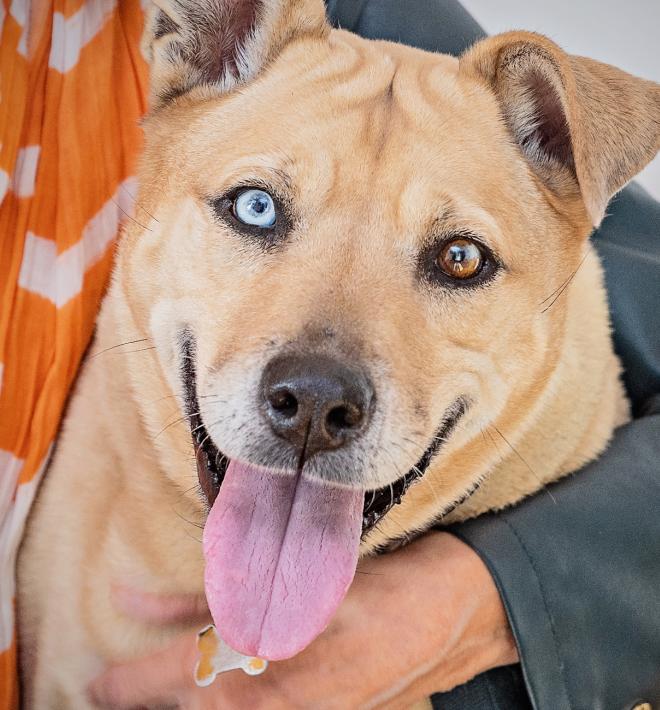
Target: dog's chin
212, 466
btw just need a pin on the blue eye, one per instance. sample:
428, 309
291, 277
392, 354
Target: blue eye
256, 208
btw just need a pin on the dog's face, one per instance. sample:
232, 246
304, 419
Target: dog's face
354, 249
366, 235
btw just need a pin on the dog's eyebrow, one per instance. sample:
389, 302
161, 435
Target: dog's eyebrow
262, 168
464, 216
284, 178
271, 177
445, 216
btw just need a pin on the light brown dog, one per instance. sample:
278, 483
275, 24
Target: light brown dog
362, 266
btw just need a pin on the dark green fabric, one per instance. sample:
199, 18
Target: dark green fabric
501, 689
629, 246
435, 25
579, 572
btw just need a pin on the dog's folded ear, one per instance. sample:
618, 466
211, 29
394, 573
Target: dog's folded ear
580, 124
220, 43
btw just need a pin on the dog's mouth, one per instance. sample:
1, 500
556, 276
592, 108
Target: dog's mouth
212, 463
281, 547
212, 466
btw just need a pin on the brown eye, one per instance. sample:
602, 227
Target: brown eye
460, 259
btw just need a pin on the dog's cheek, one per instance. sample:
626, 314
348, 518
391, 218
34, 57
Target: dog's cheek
169, 321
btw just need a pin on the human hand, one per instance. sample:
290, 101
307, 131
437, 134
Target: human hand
416, 621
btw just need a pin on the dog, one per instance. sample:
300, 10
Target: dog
364, 302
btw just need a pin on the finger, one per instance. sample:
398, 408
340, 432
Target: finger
161, 608
153, 679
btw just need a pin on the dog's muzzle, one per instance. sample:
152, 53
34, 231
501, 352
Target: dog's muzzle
314, 403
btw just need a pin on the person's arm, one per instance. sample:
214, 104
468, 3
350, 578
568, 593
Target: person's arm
579, 574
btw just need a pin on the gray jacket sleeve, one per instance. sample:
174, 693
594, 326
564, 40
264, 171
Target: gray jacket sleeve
578, 571
579, 574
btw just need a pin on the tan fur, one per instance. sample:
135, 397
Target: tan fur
380, 145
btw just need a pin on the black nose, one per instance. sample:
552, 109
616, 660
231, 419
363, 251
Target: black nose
315, 401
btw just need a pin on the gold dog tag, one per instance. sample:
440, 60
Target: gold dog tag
215, 656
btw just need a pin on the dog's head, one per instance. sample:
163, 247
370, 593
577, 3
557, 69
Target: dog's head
350, 252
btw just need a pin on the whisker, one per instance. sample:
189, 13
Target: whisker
494, 443
174, 423
532, 471
119, 345
195, 486
137, 204
129, 216
566, 284
190, 522
197, 428
161, 399
562, 285
139, 350
201, 446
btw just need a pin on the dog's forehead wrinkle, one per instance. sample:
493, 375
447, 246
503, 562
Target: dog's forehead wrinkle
379, 121
387, 119
379, 81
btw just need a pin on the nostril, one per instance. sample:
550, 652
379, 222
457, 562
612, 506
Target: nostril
284, 403
345, 416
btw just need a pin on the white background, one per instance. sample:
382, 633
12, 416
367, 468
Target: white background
625, 33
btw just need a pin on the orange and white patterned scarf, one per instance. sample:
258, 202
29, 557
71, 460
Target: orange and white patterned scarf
72, 89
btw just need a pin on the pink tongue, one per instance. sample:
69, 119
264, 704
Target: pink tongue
281, 551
